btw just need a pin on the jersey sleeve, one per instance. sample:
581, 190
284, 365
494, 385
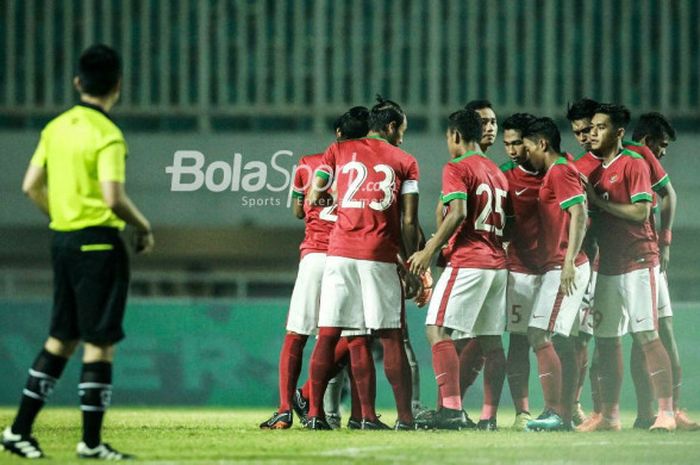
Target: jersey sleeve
410, 183
301, 175
453, 185
567, 187
111, 163
327, 166
39, 157
638, 182
657, 174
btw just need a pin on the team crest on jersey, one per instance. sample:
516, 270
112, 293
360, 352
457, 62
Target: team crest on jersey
613, 178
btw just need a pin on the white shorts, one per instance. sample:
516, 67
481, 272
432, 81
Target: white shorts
586, 321
553, 310
520, 298
303, 308
360, 294
626, 303
664, 297
471, 301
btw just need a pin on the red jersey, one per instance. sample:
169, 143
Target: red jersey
477, 242
624, 245
370, 176
657, 174
319, 221
561, 188
586, 163
523, 190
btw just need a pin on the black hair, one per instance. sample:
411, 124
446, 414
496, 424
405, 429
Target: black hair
468, 123
655, 126
619, 114
353, 123
544, 128
99, 70
518, 121
478, 104
384, 113
581, 109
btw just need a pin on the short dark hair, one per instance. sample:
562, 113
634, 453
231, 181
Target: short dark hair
544, 128
518, 121
468, 123
654, 125
478, 104
384, 113
619, 114
354, 123
581, 109
99, 70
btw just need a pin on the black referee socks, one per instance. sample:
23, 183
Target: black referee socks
43, 374
95, 391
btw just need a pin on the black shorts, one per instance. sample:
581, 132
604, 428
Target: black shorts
91, 281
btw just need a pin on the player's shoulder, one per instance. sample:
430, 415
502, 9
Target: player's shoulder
581, 155
311, 159
628, 154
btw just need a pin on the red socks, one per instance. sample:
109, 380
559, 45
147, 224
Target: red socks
471, 361
321, 367
398, 372
494, 376
518, 371
610, 376
363, 376
549, 368
659, 366
446, 367
289, 368
642, 383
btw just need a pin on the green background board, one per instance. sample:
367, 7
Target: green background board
215, 352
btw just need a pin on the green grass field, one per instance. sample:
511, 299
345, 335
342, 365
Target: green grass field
221, 436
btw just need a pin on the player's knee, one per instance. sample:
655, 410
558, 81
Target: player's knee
61, 348
537, 338
645, 337
98, 353
490, 343
436, 334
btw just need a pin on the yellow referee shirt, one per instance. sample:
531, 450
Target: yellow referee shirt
79, 149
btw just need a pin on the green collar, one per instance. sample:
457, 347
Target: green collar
376, 137
466, 155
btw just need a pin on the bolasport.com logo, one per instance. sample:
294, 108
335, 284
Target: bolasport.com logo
262, 184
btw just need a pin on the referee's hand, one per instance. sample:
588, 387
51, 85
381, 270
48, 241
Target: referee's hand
144, 242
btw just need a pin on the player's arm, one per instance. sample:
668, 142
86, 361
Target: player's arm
298, 207
34, 186
118, 201
668, 215
577, 231
638, 211
420, 261
439, 216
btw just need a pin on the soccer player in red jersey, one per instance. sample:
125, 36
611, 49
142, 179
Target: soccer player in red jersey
524, 276
377, 191
626, 289
470, 295
654, 132
565, 270
302, 318
579, 115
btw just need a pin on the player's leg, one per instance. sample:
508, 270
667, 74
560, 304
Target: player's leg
642, 304
340, 307
416, 405
488, 326
457, 300
364, 375
520, 297
101, 283
610, 324
332, 399
383, 305
43, 375
565, 348
585, 334
582, 362
471, 362
549, 369
642, 388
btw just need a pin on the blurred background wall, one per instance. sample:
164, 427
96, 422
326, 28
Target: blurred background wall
227, 77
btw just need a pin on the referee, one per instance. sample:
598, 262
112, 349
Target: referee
76, 177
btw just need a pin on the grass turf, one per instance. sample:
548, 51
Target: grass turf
231, 436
